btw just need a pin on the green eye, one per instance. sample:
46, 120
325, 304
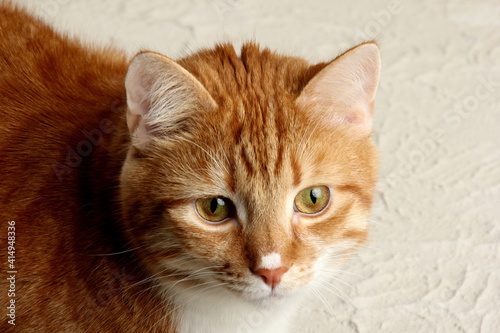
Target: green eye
215, 209
312, 200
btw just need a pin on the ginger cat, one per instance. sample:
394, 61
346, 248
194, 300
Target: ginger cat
209, 194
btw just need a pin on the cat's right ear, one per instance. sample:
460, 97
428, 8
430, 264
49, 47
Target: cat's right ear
342, 93
160, 96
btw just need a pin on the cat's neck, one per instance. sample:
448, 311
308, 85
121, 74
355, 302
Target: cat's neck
104, 242
222, 312
101, 172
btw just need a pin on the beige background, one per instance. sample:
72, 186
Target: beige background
433, 261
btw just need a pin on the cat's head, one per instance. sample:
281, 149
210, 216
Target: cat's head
252, 174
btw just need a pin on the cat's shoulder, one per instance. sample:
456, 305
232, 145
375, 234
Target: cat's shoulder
29, 46
43, 71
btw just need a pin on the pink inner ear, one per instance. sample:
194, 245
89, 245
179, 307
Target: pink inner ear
159, 93
343, 92
354, 118
359, 121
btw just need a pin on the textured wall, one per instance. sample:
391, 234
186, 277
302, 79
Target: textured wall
433, 262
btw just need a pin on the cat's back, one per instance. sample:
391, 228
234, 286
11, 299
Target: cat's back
53, 92
52, 88
43, 71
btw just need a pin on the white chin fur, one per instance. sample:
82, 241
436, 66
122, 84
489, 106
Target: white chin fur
219, 311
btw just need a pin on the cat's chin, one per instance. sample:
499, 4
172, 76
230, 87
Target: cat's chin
267, 302
266, 299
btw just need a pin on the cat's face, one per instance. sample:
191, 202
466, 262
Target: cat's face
242, 179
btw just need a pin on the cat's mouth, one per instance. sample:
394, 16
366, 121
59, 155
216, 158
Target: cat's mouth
260, 295
271, 299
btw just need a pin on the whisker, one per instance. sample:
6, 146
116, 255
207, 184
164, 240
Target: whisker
189, 300
115, 253
317, 293
343, 272
191, 276
341, 281
340, 293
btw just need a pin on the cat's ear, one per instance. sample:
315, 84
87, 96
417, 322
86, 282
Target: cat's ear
342, 93
161, 95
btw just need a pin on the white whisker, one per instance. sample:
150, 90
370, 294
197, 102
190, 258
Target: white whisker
191, 298
316, 293
339, 292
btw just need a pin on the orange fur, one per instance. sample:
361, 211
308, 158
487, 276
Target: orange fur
105, 228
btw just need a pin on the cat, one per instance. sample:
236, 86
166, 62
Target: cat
214, 193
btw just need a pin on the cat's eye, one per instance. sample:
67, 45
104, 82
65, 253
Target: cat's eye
214, 209
312, 200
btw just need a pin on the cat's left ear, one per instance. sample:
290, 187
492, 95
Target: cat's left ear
161, 95
342, 93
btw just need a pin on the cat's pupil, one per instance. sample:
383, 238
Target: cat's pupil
314, 195
215, 203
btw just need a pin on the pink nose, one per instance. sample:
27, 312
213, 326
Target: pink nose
271, 276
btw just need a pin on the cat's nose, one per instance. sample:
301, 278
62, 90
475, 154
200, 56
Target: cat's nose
271, 276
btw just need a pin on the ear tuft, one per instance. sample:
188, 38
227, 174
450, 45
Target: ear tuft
343, 91
160, 95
